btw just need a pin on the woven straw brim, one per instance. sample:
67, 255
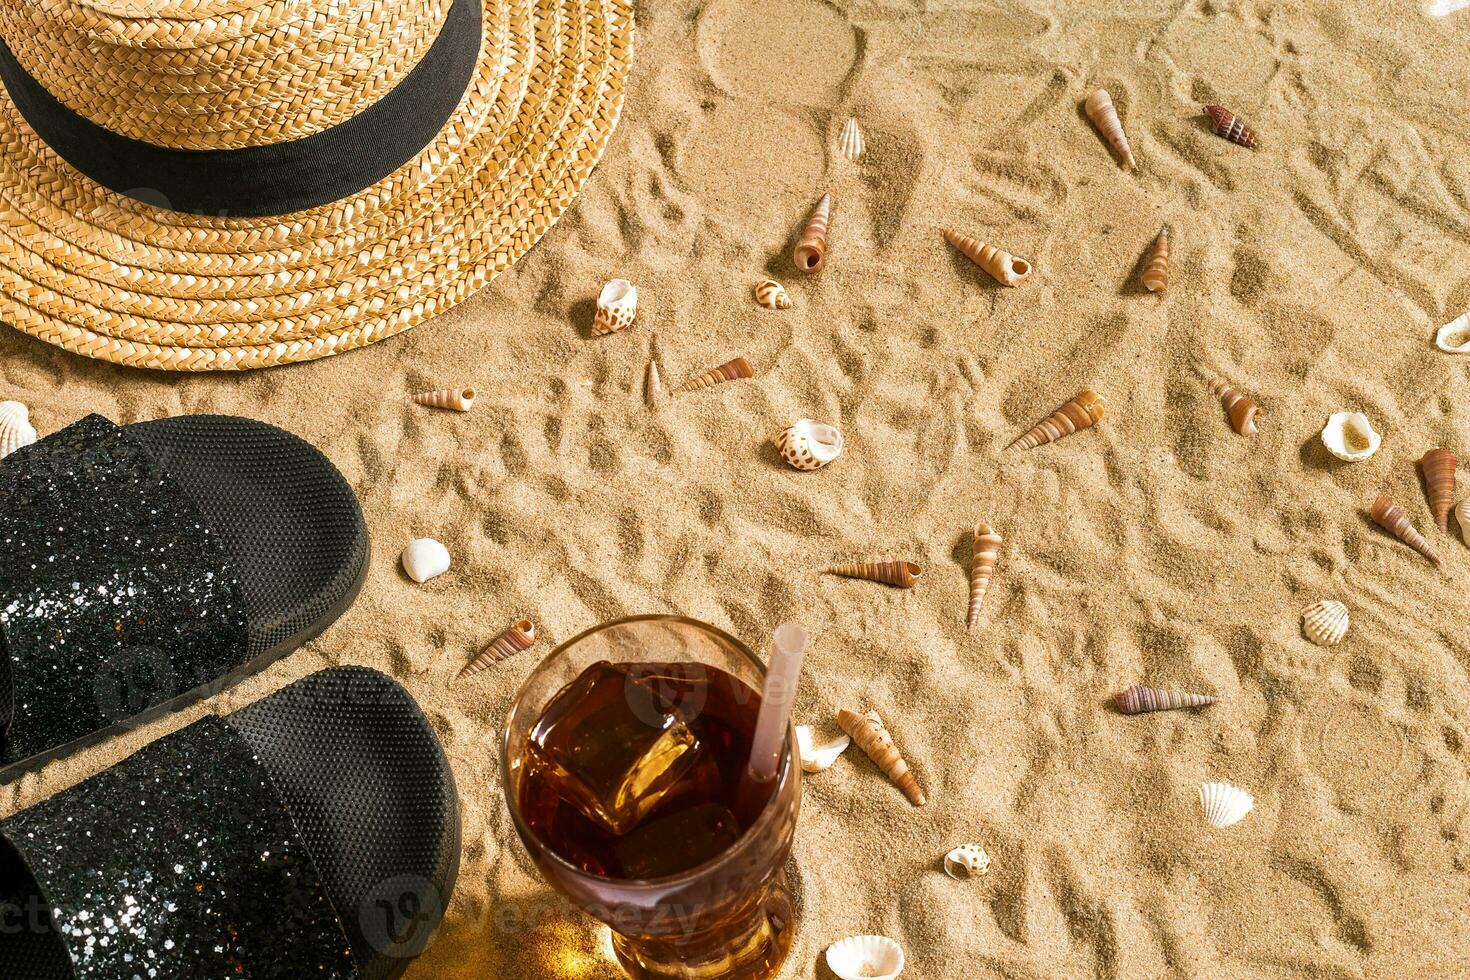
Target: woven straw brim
105, 276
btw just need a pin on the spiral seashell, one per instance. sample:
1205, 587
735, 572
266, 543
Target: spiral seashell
1391, 517
617, 305
455, 399
865, 958
966, 861
900, 574
1104, 116
1325, 622
873, 738
850, 144
424, 558
809, 445
516, 637
1454, 337
15, 428
1229, 126
1004, 267
816, 756
1350, 437
1155, 276
729, 371
1240, 409
771, 294
1082, 412
984, 549
652, 386
1224, 804
1138, 699
1438, 467
811, 250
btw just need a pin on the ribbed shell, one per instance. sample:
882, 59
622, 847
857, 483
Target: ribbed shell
732, 370
1104, 116
872, 737
809, 445
1081, 412
984, 550
1224, 804
1138, 699
1391, 517
15, 428
1238, 408
1438, 467
1325, 622
617, 305
865, 958
1003, 267
771, 294
1155, 275
1229, 126
850, 144
810, 253
900, 574
517, 637
455, 399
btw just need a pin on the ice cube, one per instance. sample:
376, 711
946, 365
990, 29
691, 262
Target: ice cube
670, 844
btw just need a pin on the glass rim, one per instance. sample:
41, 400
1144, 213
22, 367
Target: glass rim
746, 840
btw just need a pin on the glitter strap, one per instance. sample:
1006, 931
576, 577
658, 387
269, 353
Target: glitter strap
181, 861
114, 595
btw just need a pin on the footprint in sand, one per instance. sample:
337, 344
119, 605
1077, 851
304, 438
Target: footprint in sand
777, 49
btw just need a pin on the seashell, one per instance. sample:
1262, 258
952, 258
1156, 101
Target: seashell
729, 371
1082, 412
873, 738
1438, 467
1224, 804
1240, 409
1004, 267
425, 558
652, 387
1462, 517
865, 958
1349, 436
457, 399
770, 293
1138, 699
1155, 275
516, 637
1229, 126
1454, 337
902, 574
617, 305
811, 250
966, 861
850, 144
1325, 622
1391, 517
809, 445
817, 756
984, 549
1104, 116
15, 428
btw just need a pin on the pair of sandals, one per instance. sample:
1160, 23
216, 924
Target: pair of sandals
314, 833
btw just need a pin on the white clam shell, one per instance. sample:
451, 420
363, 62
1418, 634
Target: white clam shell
850, 144
617, 305
865, 958
809, 445
966, 861
1349, 436
1224, 804
425, 558
816, 756
15, 428
1454, 337
1325, 622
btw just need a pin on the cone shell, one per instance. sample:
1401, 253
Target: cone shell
729, 371
1082, 412
455, 399
771, 294
1391, 517
850, 144
1454, 337
811, 250
617, 305
1238, 408
966, 861
816, 756
1104, 116
1155, 275
809, 445
873, 738
15, 428
1224, 804
1438, 467
1350, 437
1004, 267
1138, 699
984, 550
1325, 622
865, 958
652, 386
902, 574
517, 637
1228, 126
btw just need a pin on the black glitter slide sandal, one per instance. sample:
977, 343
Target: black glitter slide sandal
314, 834
143, 567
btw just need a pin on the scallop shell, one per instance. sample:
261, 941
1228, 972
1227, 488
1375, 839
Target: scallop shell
1325, 622
810, 253
1454, 337
617, 305
809, 445
816, 756
1104, 116
1238, 408
1224, 804
901, 574
850, 144
771, 294
966, 861
1004, 267
515, 638
1229, 126
984, 549
1138, 699
732, 370
425, 558
455, 399
1391, 517
15, 428
1349, 436
872, 737
1155, 275
1082, 412
1462, 516
1438, 467
865, 958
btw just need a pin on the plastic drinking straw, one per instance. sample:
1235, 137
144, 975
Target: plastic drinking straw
788, 648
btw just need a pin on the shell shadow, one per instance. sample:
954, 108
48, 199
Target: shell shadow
1315, 455
582, 313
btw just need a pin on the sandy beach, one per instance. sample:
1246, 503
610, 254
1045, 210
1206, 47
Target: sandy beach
1159, 547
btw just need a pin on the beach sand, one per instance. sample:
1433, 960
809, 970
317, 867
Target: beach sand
1157, 547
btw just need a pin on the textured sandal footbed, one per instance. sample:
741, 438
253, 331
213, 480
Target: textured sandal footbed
367, 785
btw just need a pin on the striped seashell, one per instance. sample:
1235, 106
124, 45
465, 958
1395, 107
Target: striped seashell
872, 737
1438, 467
771, 294
517, 637
1238, 408
732, 370
1229, 126
966, 861
456, 399
809, 445
1138, 699
900, 574
811, 250
1155, 276
984, 550
1454, 337
1224, 804
617, 305
1081, 412
850, 144
1004, 267
1104, 116
1391, 517
1325, 622
16, 430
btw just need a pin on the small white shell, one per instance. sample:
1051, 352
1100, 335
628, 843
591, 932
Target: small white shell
15, 428
1454, 337
1349, 436
1325, 622
851, 144
809, 445
772, 295
865, 958
966, 861
816, 757
425, 558
617, 305
1224, 804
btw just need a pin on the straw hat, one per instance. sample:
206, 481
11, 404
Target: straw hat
229, 184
